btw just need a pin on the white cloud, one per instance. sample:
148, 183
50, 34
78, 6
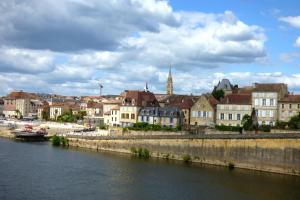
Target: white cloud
297, 43
25, 60
291, 20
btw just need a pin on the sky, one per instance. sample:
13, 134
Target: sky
68, 47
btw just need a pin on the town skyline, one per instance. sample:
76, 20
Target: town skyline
204, 42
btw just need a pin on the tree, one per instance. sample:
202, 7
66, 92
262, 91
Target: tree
247, 122
218, 94
45, 114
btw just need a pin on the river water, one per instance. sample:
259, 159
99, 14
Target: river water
40, 171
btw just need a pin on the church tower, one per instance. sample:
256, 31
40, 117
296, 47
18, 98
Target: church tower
170, 83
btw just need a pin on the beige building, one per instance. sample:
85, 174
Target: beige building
288, 107
114, 116
57, 109
232, 108
132, 102
265, 99
203, 111
19, 103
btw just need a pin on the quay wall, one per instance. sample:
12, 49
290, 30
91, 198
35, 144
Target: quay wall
272, 153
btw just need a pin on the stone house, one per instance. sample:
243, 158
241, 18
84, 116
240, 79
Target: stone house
115, 116
57, 109
288, 107
265, 97
232, 108
171, 117
132, 102
183, 102
203, 112
19, 103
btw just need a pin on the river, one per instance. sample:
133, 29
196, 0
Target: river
40, 171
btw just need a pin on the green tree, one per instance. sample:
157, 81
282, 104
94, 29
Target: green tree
247, 122
218, 94
45, 114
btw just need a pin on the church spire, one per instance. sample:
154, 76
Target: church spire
170, 83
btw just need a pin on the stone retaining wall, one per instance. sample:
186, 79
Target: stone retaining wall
276, 153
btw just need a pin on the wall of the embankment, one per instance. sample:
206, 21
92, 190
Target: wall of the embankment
273, 154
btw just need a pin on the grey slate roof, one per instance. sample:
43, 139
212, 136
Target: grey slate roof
161, 112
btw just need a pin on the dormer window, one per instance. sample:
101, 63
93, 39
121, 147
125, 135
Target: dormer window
133, 102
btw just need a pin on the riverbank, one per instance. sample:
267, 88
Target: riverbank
278, 153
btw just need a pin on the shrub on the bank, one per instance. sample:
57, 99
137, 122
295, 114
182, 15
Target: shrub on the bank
59, 141
228, 128
56, 140
143, 126
186, 158
281, 125
265, 128
140, 152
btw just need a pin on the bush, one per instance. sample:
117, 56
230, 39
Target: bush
265, 128
56, 140
294, 122
227, 128
103, 127
281, 124
140, 153
186, 158
60, 141
143, 126
64, 141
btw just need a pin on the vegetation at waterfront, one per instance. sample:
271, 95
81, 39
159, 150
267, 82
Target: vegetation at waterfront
60, 141
140, 152
228, 128
143, 126
68, 116
186, 158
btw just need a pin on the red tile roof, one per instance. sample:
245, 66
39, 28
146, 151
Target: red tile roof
238, 99
92, 104
21, 95
139, 98
269, 87
180, 101
291, 98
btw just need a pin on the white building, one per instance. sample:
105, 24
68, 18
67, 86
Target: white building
232, 108
265, 99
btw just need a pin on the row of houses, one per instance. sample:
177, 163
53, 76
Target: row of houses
272, 102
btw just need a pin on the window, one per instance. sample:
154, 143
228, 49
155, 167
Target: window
147, 118
256, 102
142, 118
282, 106
132, 116
199, 113
204, 113
263, 113
112, 119
222, 116
264, 102
171, 120
271, 113
238, 117
230, 116
127, 116
290, 106
298, 106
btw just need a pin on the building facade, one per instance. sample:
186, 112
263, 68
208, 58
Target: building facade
132, 102
232, 108
203, 111
170, 117
289, 106
115, 116
265, 98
